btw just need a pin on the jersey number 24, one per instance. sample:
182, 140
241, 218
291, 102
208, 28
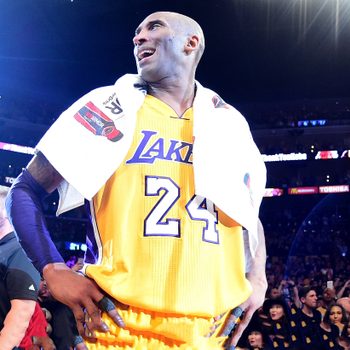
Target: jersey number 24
198, 208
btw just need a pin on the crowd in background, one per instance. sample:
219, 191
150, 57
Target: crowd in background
307, 306
289, 114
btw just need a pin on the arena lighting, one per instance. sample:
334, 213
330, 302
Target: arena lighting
273, 192
327, 155
9, 180
16, 148
333, 14
323, 154
306, 123
75, 246
345, 154
281, 157
334, 189
303, 190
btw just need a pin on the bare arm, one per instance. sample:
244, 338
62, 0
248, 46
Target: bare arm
258, 269
257, 278
67, 286
296, 298
16, 323
342, 289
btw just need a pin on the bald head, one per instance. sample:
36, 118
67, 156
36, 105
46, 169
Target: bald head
345, 303
187, 26
165, 43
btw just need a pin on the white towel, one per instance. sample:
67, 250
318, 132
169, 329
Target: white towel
228, 167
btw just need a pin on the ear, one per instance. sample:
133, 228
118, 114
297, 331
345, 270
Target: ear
192, 44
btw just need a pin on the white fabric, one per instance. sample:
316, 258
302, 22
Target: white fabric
223, 152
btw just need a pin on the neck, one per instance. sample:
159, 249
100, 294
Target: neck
178, 94
5, 227
307, 311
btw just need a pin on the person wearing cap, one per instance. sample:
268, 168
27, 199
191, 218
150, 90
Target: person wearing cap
280, 327
257, 338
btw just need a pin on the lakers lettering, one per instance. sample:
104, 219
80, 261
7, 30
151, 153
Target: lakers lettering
152, 147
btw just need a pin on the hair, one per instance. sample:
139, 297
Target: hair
326, 318
269, 303
304, 291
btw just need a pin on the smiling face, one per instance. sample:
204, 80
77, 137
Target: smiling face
163, 42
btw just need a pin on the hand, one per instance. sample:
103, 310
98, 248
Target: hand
79, 293
259, 285
291, 283
283, 283
44, 343
78, 266
81, 346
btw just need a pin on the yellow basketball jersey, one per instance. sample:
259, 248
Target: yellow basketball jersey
162, 247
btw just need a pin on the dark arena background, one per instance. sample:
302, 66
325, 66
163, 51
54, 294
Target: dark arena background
284, 64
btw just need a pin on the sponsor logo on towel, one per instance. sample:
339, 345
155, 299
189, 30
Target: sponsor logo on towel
113, 104
93, 119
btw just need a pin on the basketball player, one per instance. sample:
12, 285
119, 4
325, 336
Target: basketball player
173, 176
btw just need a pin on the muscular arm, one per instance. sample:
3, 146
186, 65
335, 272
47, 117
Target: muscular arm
16, 323
257, 278
25, 208
258, 265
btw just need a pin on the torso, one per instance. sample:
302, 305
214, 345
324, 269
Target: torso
162, 247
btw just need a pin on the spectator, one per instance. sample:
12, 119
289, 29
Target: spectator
278, 325
36, 336
328, 298
328, 333
307, 319
19, 284
344, 288
336, 315
257, 338
64, 331
345, 303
